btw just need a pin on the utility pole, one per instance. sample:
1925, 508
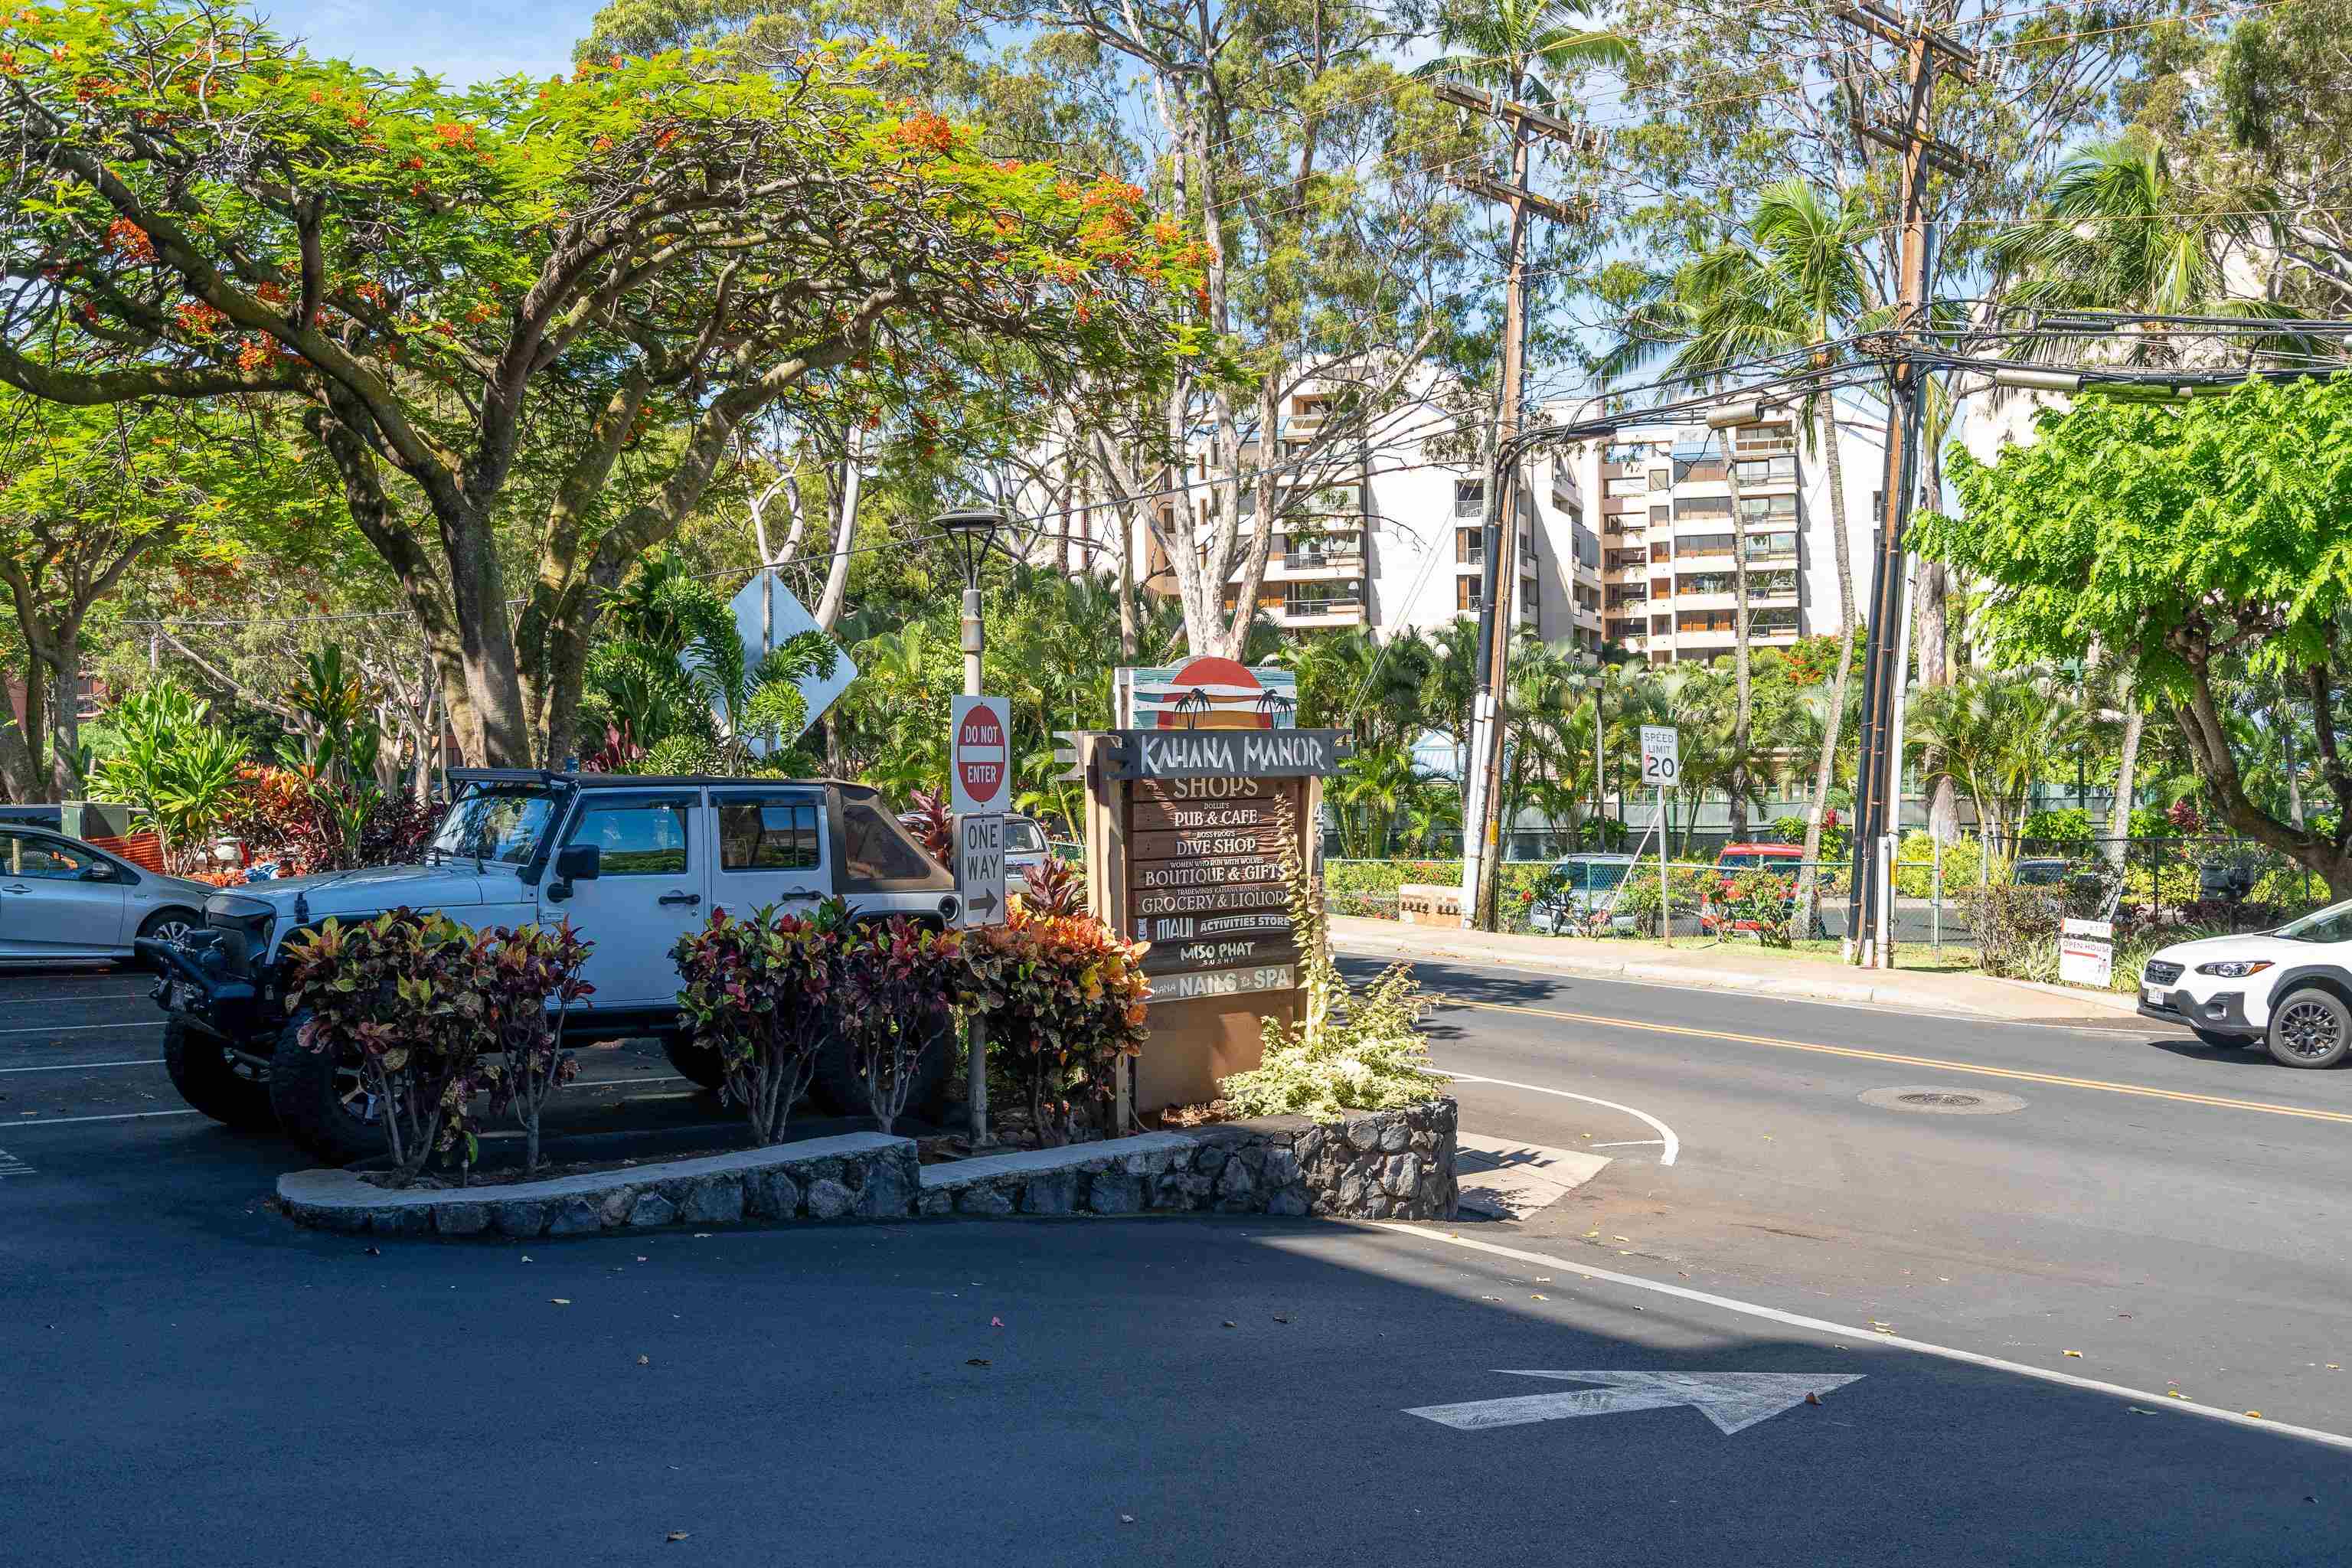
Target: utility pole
1879, 779
1499, 529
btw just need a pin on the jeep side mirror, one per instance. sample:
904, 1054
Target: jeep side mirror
579, 863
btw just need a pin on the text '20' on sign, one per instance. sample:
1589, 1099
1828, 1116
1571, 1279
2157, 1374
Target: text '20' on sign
980, 760
1662, 755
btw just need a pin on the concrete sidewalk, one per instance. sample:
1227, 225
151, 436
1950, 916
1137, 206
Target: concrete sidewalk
1730, 966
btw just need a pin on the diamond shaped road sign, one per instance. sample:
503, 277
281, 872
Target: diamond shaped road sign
767, 615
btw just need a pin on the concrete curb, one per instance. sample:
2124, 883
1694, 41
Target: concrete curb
1653, 973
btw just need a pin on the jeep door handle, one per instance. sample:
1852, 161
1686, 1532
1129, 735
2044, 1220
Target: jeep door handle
688, 898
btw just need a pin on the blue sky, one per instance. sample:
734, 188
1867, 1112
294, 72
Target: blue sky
461, 43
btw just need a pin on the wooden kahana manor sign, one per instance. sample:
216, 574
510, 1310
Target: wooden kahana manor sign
1188, 835
1231, 756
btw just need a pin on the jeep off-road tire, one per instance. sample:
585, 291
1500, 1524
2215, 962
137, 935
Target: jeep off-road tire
320, 1103
836, 1086
232, 1092
698, 1063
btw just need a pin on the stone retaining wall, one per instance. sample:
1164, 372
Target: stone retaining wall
860, 1176
1388, 1165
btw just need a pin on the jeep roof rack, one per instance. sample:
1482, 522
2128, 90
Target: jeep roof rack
634, 781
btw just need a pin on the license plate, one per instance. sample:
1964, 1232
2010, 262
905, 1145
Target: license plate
2154, 996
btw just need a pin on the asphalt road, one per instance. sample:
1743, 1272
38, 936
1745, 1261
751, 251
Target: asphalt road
190, 1380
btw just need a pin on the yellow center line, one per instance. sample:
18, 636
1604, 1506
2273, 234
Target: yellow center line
1855, 1052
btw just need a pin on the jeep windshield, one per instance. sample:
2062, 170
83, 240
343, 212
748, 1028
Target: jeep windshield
501, 822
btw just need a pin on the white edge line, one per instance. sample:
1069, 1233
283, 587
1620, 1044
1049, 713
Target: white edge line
87, 1028
69, 1067
1666, 1133
1627, 1143
1874, 1339
68, 1120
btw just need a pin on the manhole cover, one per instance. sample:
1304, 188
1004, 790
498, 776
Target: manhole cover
1944, 1101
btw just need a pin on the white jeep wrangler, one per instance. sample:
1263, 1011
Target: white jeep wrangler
635, 863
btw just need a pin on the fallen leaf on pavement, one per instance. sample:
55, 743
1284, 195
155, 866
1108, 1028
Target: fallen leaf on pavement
644, 1361
1813, 1399
2137, 1411
2255, 1414
1539, 1298
2076, 1355
1126, 1518
977, 1360
560, 1300
375, 1252
1231, 1324
1280, 1318
2174, 1393
995, 1323
1621, 1238
680, 1535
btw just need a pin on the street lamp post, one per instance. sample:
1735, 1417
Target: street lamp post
971, 533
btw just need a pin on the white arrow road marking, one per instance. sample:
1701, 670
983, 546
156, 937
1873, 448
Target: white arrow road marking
1733, 1401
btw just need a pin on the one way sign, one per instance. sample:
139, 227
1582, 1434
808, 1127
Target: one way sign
979, 868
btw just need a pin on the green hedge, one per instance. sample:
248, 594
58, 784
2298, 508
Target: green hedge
1369, 887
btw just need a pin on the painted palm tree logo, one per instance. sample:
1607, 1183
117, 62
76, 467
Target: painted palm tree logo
1193, 702
1276, 705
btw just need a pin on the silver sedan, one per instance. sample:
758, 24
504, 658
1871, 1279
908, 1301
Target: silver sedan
65, 902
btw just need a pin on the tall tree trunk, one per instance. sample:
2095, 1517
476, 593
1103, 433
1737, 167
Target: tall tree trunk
1825, 769
1743, 708
1931, 639
1129, 633
20, 771
64, 655
2126, 768
830, 602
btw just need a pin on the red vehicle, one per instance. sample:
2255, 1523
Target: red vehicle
1738, 857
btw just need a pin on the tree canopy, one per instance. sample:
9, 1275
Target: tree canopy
594, 281
2193, 540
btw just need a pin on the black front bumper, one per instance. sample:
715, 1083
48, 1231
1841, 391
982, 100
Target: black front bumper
2225, 1011
195, 980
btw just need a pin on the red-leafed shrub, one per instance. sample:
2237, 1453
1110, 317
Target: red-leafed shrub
1065, 999
761, 993
900, 982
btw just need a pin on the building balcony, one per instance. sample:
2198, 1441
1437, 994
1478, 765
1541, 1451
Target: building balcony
1320, 612
1295, 564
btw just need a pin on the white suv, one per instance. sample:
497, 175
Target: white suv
2290, 989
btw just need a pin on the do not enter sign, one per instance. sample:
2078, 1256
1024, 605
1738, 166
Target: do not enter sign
980, 761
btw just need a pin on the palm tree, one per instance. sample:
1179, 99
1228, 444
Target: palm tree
1994, 733
1378, 781
2117, 229
1797, 283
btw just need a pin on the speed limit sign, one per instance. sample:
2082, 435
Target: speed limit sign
1662, 758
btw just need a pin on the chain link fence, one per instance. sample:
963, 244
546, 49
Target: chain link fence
2155, 891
